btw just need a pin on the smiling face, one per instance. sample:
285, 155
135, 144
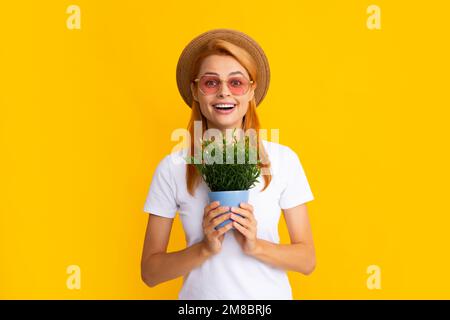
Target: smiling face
215, 106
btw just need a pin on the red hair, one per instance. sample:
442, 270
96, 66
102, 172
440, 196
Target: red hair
250, 120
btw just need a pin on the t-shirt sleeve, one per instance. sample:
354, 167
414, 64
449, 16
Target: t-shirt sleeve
297, 190
161, 195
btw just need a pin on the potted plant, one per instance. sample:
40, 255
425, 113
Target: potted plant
229, 169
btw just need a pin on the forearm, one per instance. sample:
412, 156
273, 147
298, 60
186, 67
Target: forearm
161, 267
297, 257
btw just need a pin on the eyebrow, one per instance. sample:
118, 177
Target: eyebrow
234, 72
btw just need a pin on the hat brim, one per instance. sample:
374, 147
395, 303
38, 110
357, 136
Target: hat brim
185, 62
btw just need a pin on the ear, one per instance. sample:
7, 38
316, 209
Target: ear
194, 94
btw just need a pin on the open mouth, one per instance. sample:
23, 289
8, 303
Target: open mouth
224, 107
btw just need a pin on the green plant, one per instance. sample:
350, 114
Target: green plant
241, 174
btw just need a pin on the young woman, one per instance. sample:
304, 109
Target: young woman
223, 75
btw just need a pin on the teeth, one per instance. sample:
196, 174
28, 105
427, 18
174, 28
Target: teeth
223, 106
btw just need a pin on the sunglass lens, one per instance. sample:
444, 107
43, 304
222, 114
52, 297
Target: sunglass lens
209, 85
238, 85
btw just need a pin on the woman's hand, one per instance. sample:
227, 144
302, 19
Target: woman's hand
213, 238
245, 232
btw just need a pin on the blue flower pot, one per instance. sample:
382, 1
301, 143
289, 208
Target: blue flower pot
228, 199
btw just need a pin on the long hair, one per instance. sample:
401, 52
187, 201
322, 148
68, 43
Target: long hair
250, 120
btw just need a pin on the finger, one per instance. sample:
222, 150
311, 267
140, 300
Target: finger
212, 228
207, 220
250, 225
224, 229
242, 212
247, 206
216, 212
211, 206
241, 229
215, 222
213, 213
245, 213
245, 222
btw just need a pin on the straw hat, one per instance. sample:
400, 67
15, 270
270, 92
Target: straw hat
185, 62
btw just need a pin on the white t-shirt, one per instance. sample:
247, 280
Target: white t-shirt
231, 274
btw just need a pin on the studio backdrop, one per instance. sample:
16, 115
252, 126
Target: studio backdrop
89, 101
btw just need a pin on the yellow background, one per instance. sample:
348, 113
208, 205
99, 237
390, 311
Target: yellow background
86, 115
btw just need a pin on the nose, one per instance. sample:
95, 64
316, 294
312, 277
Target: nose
223, 90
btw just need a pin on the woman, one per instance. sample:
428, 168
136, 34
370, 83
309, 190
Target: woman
223, 75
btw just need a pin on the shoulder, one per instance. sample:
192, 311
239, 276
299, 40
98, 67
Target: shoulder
283, 160
173, 163
278, 151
